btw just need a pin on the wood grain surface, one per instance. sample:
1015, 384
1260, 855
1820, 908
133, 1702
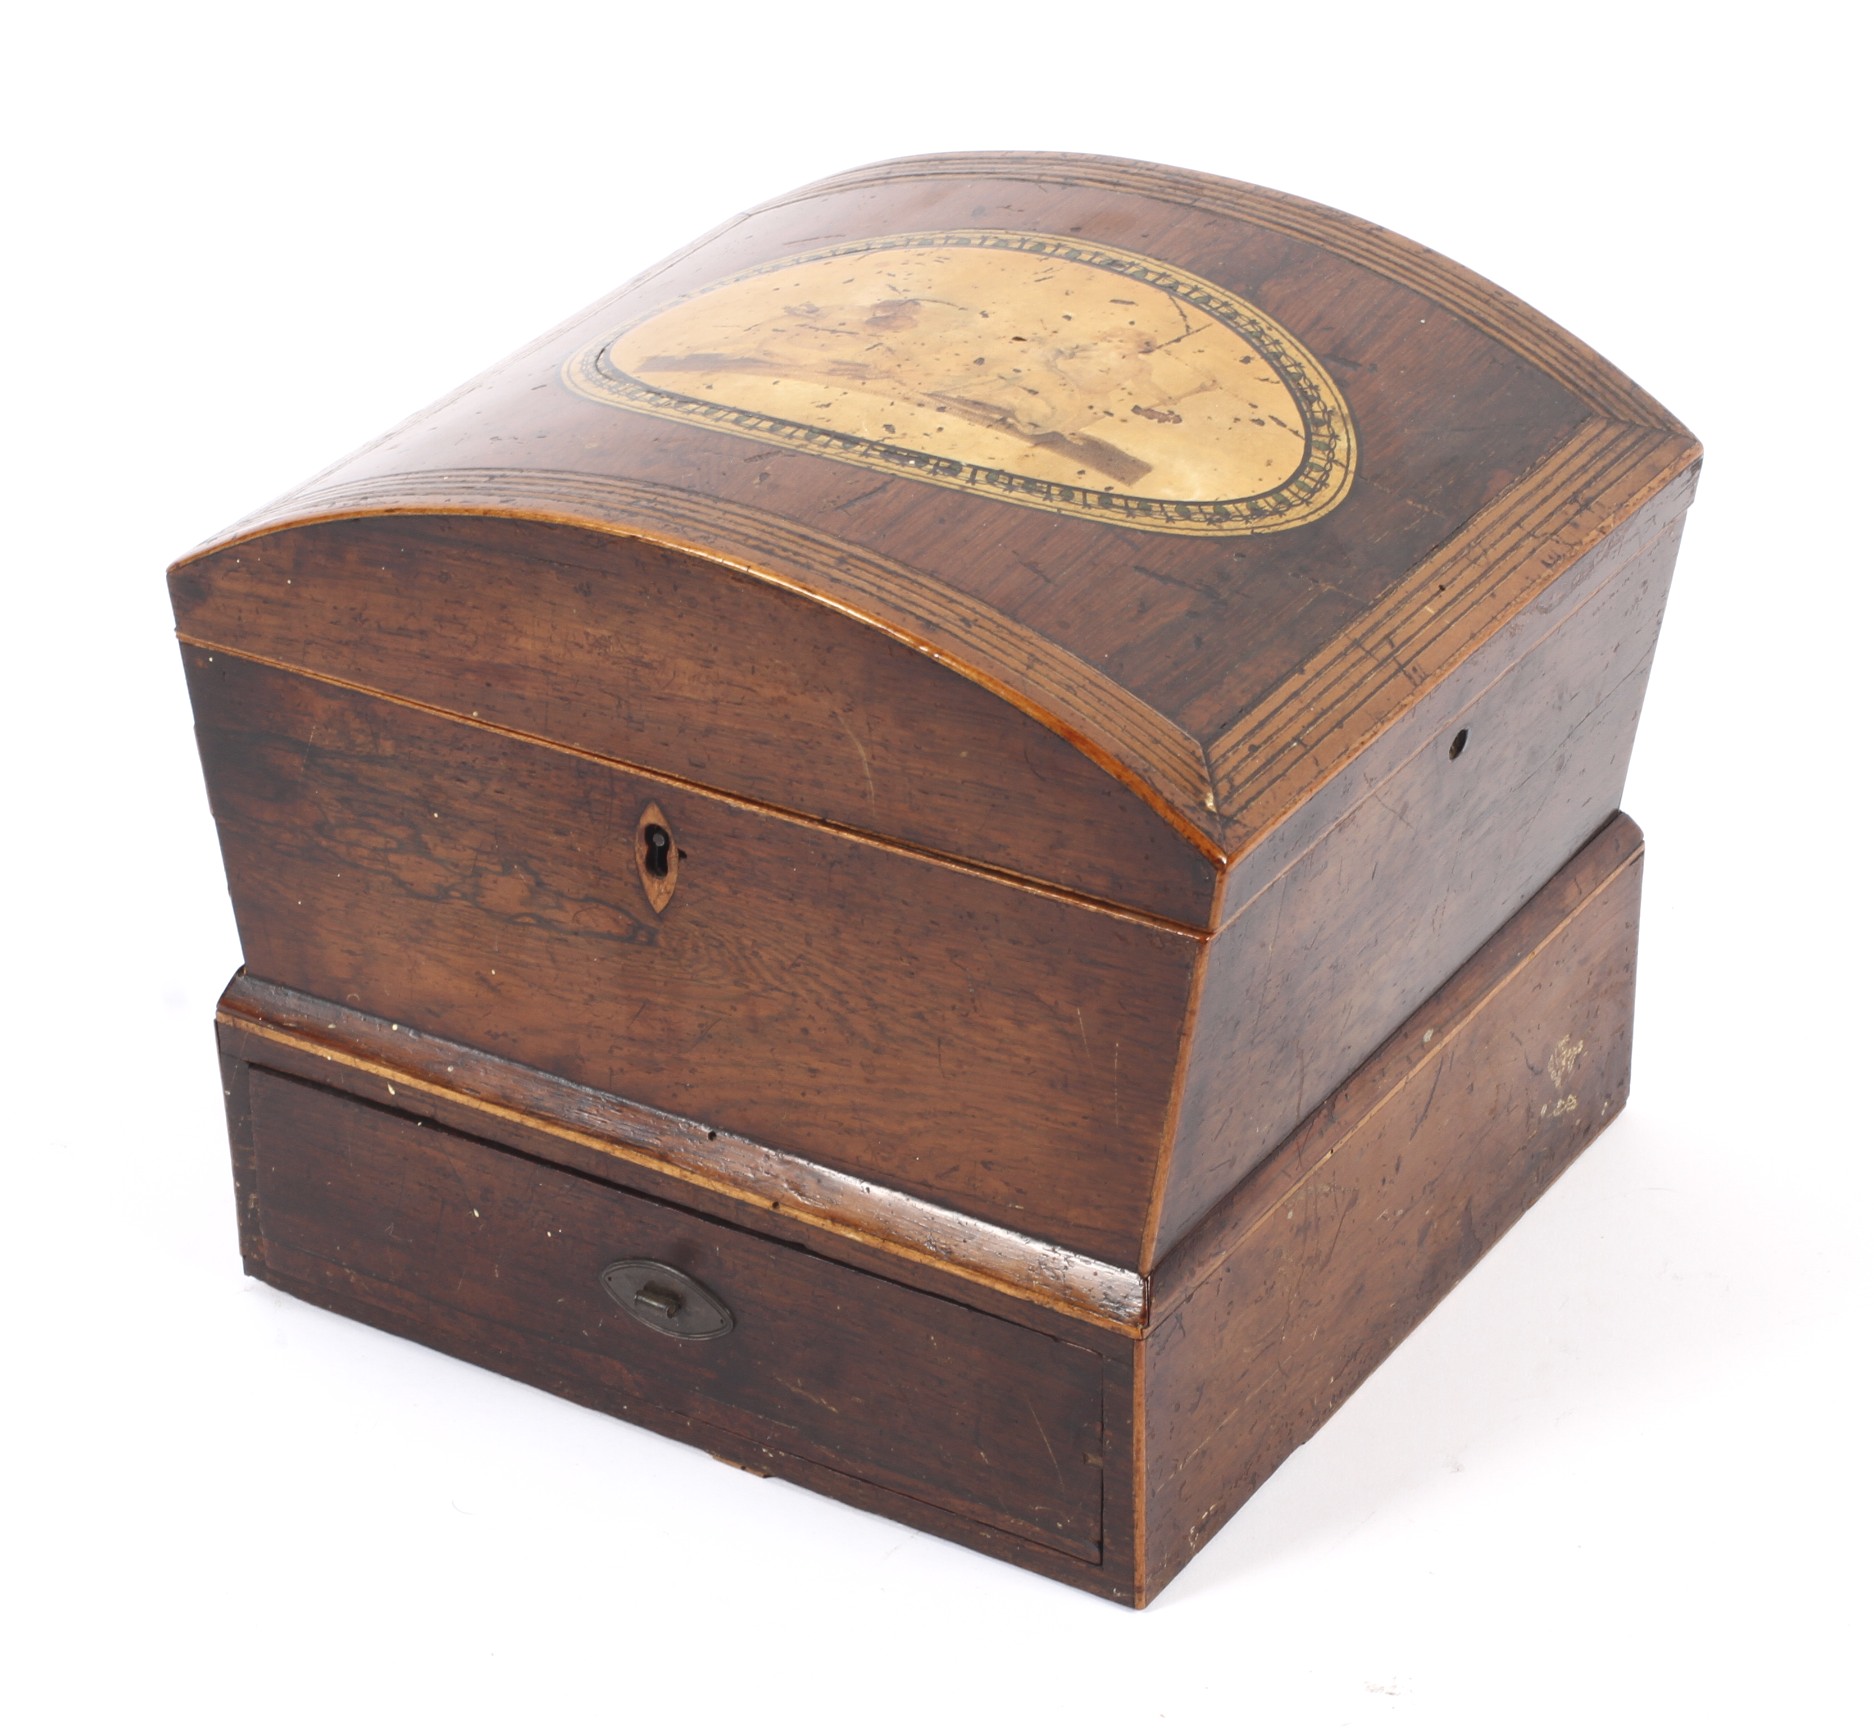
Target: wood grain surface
979, 760
669, 1158
635, 652
928, 1399
972, 1041
1344, 940
940, 1026
1304, 1279
1517, 326
1102, 1455
1491, 449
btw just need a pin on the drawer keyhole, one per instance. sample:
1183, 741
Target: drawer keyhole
666, 1300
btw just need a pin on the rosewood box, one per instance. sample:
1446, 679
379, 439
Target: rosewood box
964, 846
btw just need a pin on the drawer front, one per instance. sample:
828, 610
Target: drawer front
457, 1238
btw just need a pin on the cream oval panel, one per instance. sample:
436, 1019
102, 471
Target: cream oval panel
1050, 373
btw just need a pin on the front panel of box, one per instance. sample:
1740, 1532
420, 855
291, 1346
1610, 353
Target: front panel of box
951, 1034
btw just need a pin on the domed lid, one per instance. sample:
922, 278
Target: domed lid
1206, 481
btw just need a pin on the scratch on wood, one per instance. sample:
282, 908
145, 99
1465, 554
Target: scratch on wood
865, 759
795, 1386
1041, 1429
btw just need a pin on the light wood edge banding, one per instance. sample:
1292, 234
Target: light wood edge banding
1479, 302
881, 1218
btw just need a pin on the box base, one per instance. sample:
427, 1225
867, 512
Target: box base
1094, 1423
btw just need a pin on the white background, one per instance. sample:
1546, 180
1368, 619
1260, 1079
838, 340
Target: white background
1618, 1477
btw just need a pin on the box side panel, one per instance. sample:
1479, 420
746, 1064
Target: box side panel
1364, 924
1307, 1277
652, 656
971, 1041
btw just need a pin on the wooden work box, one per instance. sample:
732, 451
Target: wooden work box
963, 846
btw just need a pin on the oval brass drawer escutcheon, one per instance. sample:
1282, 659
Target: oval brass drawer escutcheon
666, 1300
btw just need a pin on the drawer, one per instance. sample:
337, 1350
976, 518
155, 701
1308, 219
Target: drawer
498, 1257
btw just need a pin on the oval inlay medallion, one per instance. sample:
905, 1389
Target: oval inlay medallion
1033, 368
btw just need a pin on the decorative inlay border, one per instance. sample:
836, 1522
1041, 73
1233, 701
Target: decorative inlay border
1314, 486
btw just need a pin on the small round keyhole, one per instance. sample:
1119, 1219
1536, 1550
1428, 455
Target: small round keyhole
1458, 743
657, 851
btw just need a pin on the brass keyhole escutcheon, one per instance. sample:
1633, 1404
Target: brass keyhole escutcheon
657, 855
666, 1300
